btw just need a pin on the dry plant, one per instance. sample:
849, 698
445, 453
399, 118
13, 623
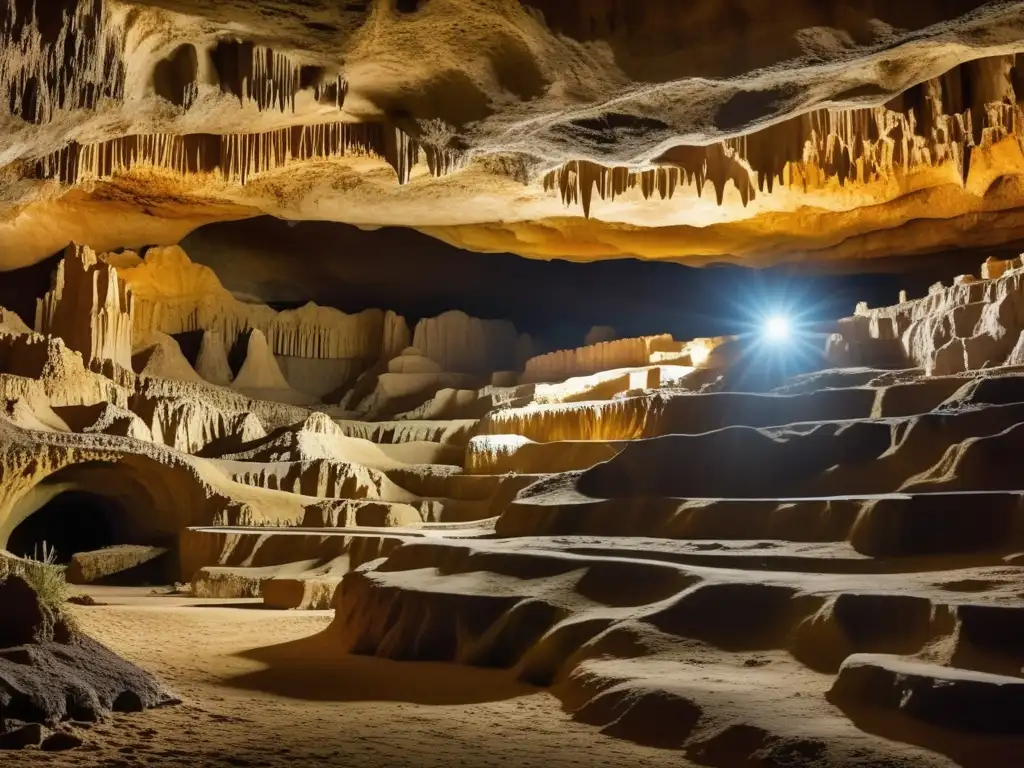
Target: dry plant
44, 575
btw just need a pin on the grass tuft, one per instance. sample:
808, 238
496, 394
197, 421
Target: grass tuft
46, 578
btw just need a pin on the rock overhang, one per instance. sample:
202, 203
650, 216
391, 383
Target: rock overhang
816, 132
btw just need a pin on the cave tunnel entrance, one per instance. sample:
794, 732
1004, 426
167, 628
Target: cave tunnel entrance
71, 522
77, 521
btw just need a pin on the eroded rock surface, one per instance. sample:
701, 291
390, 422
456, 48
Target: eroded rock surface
684, 131
814, 569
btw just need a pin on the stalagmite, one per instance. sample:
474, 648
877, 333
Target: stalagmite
91, 308
158, 355
212, 362
260, 370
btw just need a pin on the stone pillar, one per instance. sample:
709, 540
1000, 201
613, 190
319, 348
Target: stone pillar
90, 308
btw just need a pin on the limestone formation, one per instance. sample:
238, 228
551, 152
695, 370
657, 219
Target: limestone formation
153, 118
936, 122
260, 370
37, 83
969, 325
33, 363
317, 348
517, 537
174, 295
464, 344
87, 567
718, 551
237, 158
602, 356
11, 324
86, 288
212, 362
159, 355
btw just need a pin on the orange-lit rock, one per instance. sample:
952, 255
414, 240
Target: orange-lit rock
578, 132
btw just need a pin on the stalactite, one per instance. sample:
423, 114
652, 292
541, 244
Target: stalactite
237, 157
189, 96
401, 151
937, 122
333, 92
42, 73
577, 179
268, 79
444, 161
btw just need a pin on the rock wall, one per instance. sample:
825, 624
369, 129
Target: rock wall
32, 364
367, 362
604, 356
971, 324
174, 295
464, 344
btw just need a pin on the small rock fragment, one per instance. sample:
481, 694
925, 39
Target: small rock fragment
60, 741
19, 738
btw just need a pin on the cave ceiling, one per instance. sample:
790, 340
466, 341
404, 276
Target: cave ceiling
754, 131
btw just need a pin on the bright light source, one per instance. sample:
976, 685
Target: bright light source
777, 328
699, 354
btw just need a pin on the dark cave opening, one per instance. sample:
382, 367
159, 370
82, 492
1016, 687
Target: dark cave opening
76, 521
174, 77
71, 522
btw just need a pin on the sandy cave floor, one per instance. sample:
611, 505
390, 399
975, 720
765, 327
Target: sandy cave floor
241, 711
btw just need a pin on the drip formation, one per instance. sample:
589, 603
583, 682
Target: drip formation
46, 67
237, 157
938, 122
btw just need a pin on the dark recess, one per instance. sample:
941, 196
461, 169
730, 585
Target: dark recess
176, 73
82, 521
72, 522
287, 264
233, 61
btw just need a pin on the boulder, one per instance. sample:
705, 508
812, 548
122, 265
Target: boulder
61, 741
956, 699
88, 567
29, 735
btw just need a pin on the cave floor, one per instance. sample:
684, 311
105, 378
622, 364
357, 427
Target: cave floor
240, 711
